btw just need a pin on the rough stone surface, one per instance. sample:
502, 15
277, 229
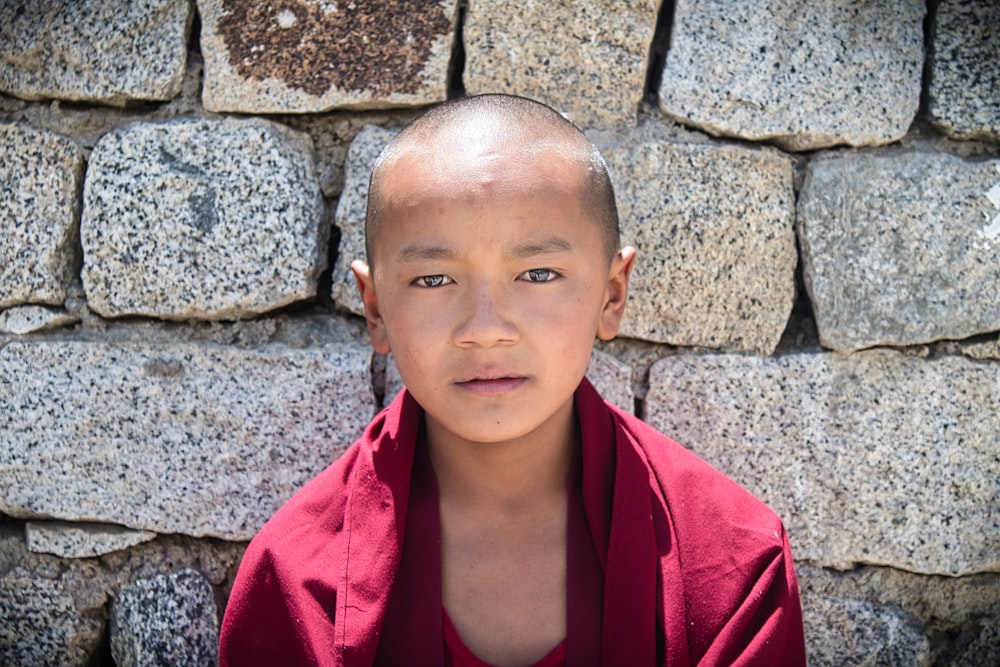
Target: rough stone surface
611, 377
802, 74
53, 609
332, 134
40, 178
901, 249
93, 50
201, 218
21, 320
81, 540
350, 216
176, 438
587, 59
876, 457
858, 632
42, 619
307, 55
714, 230
638, 355
40, 625
964, 92
168, 619
960, 616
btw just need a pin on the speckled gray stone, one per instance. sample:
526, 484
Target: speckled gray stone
876, 457
611, 377
201, 219
859, 632
41, 174
802, 74
586, 58
81, 540
332, 134
714, 230
40, 623
167, 619
902, 248
186, 438
963, 96
93, 50
350, 216
21, 320
307, 56
960, 615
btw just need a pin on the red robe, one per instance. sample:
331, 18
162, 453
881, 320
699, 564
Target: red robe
679, 564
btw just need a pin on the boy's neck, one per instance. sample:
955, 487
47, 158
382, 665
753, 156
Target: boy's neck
505, 478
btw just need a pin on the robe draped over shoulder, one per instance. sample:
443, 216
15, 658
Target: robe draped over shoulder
696, 570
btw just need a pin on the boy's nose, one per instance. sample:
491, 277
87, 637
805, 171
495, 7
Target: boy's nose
486, 320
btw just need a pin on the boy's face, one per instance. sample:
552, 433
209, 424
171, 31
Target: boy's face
489, 285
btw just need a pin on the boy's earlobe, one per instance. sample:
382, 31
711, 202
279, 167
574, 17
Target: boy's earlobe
616, 293
373, 316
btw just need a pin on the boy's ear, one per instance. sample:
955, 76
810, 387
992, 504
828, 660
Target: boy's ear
366, 288
616, 293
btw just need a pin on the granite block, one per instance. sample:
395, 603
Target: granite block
53, 610
189, 438
611, 377
332, 134
714, 230
21, 320
41, 174
94, 51
350, 216
859, 632
167, 619
963, 95
959, 615
587, 59
41, 624
309, 56
804, 75
901, 248
201, 219
613, 380
876, 457
81, 540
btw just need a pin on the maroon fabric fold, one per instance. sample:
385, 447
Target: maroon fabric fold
412, 633
695, 570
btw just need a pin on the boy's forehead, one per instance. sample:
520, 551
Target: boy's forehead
450, 168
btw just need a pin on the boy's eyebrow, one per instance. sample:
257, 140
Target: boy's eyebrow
532, 248
417, 252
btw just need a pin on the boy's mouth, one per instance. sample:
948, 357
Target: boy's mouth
491, 383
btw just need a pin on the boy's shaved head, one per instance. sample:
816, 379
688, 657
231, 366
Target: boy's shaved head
515, 126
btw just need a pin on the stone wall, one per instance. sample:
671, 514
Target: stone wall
813, 188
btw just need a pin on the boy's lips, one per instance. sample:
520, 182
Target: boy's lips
491, 382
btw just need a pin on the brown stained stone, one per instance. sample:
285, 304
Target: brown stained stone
374, 53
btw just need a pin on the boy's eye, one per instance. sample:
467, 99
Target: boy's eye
436, 280
539, 275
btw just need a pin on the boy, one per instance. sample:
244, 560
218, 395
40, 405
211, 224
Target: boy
498, 511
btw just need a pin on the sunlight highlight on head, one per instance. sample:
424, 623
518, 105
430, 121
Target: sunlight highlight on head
511, 132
